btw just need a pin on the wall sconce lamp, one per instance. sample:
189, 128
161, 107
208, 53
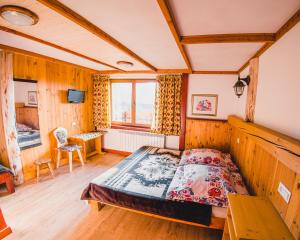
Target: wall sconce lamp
240, 85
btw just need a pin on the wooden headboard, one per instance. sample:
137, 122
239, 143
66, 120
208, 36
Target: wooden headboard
265, 158
207, 133
27, 115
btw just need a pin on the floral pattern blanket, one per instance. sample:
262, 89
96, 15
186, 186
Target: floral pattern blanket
201, 183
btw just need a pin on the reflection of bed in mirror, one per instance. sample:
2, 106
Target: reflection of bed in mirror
28, 137
27, 123
26, 109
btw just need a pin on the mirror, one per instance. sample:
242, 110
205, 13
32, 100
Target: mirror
27, 117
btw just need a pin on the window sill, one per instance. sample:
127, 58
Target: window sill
133, 128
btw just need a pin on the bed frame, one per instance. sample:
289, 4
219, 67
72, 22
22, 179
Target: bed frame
265, 158
216, 223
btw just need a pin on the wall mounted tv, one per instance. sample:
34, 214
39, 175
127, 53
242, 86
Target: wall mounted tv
75, 96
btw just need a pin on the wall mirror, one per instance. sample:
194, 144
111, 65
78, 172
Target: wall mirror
27, 117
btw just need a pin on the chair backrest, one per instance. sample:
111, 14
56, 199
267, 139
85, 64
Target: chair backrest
61, 136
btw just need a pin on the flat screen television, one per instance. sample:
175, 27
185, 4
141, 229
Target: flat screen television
75, 96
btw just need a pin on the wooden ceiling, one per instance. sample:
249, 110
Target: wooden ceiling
200, 36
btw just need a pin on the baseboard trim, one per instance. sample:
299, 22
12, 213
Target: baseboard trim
116, 151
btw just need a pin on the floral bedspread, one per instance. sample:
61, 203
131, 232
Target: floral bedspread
201, 183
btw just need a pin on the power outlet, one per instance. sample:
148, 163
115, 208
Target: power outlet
73, 124
238, 140
284, 192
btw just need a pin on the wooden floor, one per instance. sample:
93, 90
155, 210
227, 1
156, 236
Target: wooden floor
52, 209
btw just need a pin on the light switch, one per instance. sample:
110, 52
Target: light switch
284, 192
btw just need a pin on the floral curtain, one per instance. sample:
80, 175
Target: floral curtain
10, 154
166, 118
101, 100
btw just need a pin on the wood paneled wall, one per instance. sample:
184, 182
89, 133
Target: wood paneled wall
27, 115
54, 78
267, 158
207, 133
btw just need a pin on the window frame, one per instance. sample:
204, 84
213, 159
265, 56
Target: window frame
133, 125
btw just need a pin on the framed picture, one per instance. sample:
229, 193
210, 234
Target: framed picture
32, 98
204, 104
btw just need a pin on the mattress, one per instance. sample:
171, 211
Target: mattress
141, 181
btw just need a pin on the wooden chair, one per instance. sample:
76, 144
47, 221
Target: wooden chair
40, 162
61, 136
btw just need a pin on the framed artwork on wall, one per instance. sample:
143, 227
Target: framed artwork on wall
204, 104
32, 98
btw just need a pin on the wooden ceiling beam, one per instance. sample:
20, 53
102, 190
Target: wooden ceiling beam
229, 38
9, 30
81, 21
216, 72
282, 31
173, 28
162, 71
173, 71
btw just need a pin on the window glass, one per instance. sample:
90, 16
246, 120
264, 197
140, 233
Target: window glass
145, 96
121, 102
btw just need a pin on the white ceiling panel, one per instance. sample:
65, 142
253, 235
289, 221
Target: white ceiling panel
33, 46
220, 56
198, 17
137, 24
56, 29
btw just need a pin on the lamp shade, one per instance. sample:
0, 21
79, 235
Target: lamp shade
239, 88
18, 15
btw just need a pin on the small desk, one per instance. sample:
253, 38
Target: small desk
252, 217
83, 138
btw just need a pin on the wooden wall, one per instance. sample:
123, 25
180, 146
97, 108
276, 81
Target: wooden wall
27, 115
266, 158
207, 133
54, 78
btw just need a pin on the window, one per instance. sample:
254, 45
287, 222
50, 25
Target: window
132, 102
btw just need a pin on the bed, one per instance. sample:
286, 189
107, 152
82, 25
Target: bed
188, 187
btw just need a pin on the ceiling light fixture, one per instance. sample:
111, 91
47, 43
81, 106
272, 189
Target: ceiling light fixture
18, 15
125, 64
240, 85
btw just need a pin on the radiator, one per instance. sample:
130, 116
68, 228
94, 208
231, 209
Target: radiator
130, 141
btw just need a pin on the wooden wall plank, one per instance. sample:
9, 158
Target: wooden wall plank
267, 158
207, 133
53, 80
252, 89
27, 115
